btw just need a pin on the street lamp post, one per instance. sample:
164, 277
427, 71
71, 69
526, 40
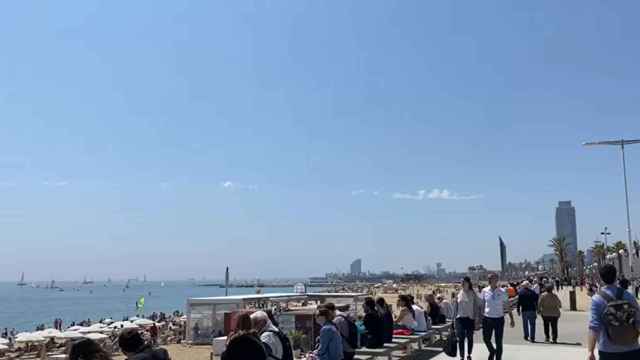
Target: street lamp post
622, 144
605, 234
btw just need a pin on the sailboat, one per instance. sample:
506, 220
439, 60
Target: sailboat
22, 282
86, 282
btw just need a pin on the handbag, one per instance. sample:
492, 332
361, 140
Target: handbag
451, 346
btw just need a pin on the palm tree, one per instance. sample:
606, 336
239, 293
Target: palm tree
619, 245
599, 253
580, 263
559, 246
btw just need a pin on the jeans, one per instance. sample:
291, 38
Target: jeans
489, 326
553, 321
629, 355
464, 330
348, 355
529, 324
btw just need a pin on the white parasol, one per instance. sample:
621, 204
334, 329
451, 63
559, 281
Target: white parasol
29, 338
96, 336
144, 322
3, 347
49, 333
74, 328
3, 341
70, 335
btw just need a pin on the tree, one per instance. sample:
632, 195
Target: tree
599, 253
580, 263
560, 246
619, 245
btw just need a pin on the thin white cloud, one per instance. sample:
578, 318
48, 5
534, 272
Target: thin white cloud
435, 194
55, 183
230, 185
358, 192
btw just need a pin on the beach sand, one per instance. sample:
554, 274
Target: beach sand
184, 352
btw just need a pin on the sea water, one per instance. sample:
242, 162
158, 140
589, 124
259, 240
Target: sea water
26, 307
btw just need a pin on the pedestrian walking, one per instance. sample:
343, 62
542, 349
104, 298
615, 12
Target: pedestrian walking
611, 308
527, 308
496, 304
467, 316
549, 308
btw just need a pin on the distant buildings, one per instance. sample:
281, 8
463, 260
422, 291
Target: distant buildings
503, 256
566, 227
356, 267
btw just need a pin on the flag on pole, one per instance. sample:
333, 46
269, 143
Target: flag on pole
140, 304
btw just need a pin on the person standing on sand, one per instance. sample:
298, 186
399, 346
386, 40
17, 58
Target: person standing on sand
549, 308
496, 304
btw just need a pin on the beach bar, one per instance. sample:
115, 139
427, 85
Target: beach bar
211, 317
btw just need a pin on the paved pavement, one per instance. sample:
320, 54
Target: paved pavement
572, 339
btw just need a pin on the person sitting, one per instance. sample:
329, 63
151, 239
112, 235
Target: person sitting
387, 319
435, 312
445, 307
87, 349
268, 333
407, 317
373, 323
134, 347
421, 320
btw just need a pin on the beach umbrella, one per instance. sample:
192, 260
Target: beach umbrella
107, 321
96, 336
74, 328
49, 333
3, 341
143, 322
70, 335
84, 330
130, 325
29, 338
4, 347
134, 318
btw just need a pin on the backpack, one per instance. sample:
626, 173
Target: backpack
619, 318
287, 350
352, 336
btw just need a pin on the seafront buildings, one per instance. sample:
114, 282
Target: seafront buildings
566, 227
356, 267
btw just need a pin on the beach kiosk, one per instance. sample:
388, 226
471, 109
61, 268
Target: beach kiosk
211, 317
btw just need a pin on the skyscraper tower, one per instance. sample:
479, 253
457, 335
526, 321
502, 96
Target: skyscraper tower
566, 227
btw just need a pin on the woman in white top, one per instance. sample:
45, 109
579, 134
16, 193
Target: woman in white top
421, 320
406, 318
467, 316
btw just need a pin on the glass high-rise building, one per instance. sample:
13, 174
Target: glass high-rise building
356, 267
566, 227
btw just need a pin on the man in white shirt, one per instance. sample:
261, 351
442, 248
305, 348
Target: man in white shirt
496, 304
268, 333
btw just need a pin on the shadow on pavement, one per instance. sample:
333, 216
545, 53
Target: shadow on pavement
424, 354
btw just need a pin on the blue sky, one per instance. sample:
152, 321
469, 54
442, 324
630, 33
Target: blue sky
287, 138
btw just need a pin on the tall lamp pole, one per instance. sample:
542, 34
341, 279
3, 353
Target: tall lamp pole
605, 234
622, 143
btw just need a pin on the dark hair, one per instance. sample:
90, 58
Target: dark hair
406, 299
412, 299
242, 322
326, 313
369, 304
467, 280
382, 304
608, 274
130, 340
624, 283
87, 349
244, 345
549, 288
329, 306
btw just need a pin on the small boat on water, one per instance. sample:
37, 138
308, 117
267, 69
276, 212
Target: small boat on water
87, 282
22, 282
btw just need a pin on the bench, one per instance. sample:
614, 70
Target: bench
442, 328
417, 337
382, 352
363, 357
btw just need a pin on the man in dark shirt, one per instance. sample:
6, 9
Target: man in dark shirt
527, 307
